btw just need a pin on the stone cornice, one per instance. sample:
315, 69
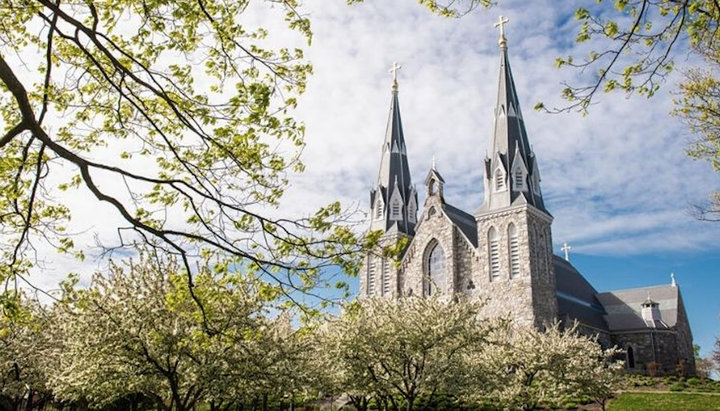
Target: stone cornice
484, 216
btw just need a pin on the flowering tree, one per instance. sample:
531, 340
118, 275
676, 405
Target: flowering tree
25, 353
138, 331
403, 348
532, 368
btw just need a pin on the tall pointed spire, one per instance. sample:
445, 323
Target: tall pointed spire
394, 200
511, 173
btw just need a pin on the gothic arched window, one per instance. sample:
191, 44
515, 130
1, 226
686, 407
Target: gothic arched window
412, 211
371, 277
435, 263
385, 277
494, 253
513, 251
630, 357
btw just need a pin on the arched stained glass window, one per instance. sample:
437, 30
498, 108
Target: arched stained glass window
435, 269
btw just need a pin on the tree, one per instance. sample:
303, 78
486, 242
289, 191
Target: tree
138, 331
716, 353
635, 44
634, 48
176, 115
699, 108
25, 349
402, 348
704, 366
532, 368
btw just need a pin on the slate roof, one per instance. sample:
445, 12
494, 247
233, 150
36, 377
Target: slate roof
576, 297
509, 140
394, 169
623, 307
464, 221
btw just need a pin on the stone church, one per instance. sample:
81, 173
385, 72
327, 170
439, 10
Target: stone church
503, 252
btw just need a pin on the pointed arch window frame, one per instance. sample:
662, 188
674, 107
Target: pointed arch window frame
371, 284
519, 176
494, 264
379, 209
435, 268
513, 251
412, 208
630, 357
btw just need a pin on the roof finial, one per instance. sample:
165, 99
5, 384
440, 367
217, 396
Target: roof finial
433, 163
672, 280
394, 70
566, 247
501, 23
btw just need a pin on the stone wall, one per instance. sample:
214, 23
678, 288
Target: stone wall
684, 336
528, 298
376, 256
658, 346
434, 227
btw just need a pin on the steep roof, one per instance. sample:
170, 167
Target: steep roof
624, 307
576, 297
510, 150
394, 175
465, 222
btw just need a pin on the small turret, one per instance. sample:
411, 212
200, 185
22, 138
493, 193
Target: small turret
651, 313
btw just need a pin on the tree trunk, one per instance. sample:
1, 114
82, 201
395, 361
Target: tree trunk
410, 401
264, 402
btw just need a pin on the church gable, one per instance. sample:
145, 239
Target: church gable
443, 231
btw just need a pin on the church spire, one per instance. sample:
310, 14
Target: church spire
394, 200
511, 173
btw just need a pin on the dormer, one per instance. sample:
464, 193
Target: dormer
651, 313
499, 175
396, 204
535, 176
378, 208
519, 172
412, 206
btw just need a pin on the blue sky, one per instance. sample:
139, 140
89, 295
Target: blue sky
617, 181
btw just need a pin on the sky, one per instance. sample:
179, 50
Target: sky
617, 181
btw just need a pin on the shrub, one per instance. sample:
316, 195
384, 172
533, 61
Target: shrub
680, 386
653, 369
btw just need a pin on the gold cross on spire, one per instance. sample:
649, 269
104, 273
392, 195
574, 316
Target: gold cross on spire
395, 67
501, 23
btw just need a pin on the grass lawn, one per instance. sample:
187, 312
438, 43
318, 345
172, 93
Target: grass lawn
664, 401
